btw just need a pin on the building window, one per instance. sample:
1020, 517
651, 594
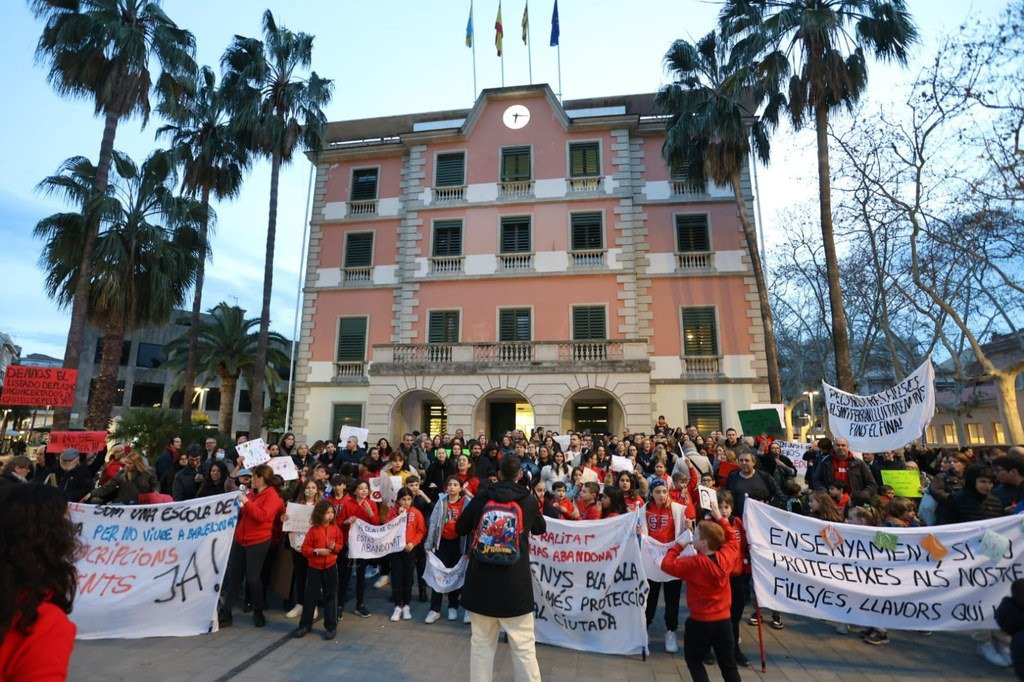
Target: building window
515, 235
693, 235
515, 164
682, 182
997, 432
700, 333
948, 433
358, 249
364, 184
447, 238
147, 395
213, 399
443, 326
588, 323
451, 170
930, 435
118, 397
352, 339
587, 233
244, 401
126, 349
350, 414
514, 324
149, 355
591, 417
435, 417
707, 417
584, 159
975, 434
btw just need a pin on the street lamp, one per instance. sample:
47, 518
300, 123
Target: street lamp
810, 398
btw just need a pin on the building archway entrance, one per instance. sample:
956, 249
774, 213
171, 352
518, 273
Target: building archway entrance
501, 411
418, 410
595, 410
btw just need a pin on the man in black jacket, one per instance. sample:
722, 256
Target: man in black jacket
846, 471
72, 476
501, 596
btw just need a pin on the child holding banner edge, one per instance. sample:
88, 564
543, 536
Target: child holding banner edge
321, 547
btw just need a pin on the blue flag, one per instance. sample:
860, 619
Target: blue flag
469, 27
554, 26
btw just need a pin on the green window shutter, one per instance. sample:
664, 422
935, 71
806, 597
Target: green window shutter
584, 159
682, 174
364, 184
451, 170
707, 417
700, 333
346, 415
586, 232
514, 325
352, 339
443, 326
515, 164
359, 250
692, 233
448, 238
515, 235
588, 323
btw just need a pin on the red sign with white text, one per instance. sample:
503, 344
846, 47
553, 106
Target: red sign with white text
39, 386
83, 441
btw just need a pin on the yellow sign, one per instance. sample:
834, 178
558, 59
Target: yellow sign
905, 482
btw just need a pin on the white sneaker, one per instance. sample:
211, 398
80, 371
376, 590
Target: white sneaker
406, 613
842, 629
453, 614
316, 613
397, 615
371, 571
990, 653
295, 612
671, 645
433, 617
1004, 650
381, 582
466, 617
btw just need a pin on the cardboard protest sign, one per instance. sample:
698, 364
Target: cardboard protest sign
151, 570
706, 495
389, 487
284, 466
299, 517
443, 579
930, 579
368, 541
252, 453
361, 435
887, 420
904, 482
39, 386
374, 484
563, 442
620, 463
778, 407
757, 422
83, 441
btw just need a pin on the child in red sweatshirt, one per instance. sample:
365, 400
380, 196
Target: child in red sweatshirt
739, 578
321, 547
403, 564
708, 595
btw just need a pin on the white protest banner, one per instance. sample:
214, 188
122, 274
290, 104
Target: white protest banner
367, 541
795, 451
928, 578
284, 466
620, 463
151, 570
252, 453
361, 435
653, 552
443, 579
589, 585
300, 516
887, 420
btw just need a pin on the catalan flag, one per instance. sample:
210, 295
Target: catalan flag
499, 32
469, 27
554, 26
526, 21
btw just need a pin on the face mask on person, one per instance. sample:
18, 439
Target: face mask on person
221, 455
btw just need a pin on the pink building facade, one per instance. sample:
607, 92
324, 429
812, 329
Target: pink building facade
524, 262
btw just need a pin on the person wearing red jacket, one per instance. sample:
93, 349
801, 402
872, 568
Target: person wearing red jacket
403, 564
321, 547
664, 521
356, 506
258, 512
707, 595
739, 577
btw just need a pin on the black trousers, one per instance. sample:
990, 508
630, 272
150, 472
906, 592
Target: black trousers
298, 587
403, 567
449, 554
420, 553
321, 582
248, 562
348, 567
673, 588
702, 636
738, 585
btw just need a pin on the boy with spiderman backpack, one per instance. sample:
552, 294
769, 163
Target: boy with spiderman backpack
499, 587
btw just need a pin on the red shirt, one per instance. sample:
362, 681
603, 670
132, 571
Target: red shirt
683, 497
567, 507
257, 519
589, 512
367, 511
42, 655
469, 482
742, 564
110, 470
319, 537
451, 515
839, 475
708, 594
415, 527
634, 503
724, 469
660, 524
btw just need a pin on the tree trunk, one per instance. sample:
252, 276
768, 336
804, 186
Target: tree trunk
193, 331
1006, 385
80, 302
226, 416
771, 351
840, 335
105, 388
259, 378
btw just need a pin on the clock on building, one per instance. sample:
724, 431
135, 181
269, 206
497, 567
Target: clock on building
516, 116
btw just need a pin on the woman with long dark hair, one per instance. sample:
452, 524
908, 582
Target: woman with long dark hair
37, 583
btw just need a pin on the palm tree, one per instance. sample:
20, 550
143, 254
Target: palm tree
227, 346
815, 52
277, 112
144, 262
206, 147
711, 105
101, 50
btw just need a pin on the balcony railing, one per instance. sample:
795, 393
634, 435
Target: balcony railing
686, 187
515, 261
409, 354
502, 356
504, 353
449, 195
446, 265
349, 370
362, 207
357, 275
585, 185
589, 351
695, 261
516, 189
709, 365
591, 258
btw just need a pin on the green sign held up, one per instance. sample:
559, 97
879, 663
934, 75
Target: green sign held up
904, 482
757, 422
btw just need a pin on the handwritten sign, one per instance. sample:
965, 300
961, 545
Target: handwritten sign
706, 495
904, 482
151, 570
39, 386
284, 466
443, 579
367, 541
653, 553
252, 453
299, 517
83, 441
361, 435
761, 421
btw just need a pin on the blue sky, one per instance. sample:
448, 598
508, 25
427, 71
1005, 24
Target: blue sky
386, 57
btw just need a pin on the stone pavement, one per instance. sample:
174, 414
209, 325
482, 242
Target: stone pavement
373, 649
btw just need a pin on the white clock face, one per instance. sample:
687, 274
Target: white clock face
516, 116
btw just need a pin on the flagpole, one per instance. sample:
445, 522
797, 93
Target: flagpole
529, 43
559, 50
472, 43
503, 68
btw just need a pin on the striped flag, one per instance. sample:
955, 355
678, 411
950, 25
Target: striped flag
469, 27
554, 26
526, 21
499, 32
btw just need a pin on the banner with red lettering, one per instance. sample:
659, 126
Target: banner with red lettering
83, 441
39, 386
151, 570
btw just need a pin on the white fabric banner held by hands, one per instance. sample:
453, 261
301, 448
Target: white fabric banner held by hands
367, 541
443, 579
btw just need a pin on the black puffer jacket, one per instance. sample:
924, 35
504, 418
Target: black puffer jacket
1010, 617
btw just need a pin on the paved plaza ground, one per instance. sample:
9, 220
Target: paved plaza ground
373, 649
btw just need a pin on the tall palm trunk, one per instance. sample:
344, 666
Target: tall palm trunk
105, 388
771, 351
840, 335
259, 378
226, 415
197, 305
80, 302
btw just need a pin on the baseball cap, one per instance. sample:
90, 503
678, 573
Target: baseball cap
70, 455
